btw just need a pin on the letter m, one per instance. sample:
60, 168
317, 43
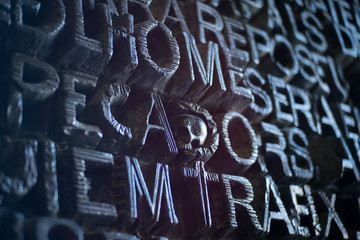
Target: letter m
138, 186
203, 75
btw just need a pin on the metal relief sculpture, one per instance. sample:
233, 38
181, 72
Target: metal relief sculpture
195, 133
179, 119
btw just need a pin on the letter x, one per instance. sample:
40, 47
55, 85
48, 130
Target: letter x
330, 204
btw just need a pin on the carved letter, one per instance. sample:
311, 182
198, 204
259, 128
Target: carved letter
207, 27
162, 188
280, 101
71, 101
158, 53
18, 157
108, 102
301, 163
37, 22
262, 104
78, 183
238, 148
304, 107
270, 215
332, 215
278, 149
241, 212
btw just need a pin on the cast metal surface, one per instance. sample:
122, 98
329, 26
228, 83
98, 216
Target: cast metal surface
179, 119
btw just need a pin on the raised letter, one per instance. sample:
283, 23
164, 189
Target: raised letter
269, 215
75, 170
238, 148
162, 188
159, 56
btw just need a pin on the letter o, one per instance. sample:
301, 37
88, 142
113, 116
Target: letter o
159, 55
239, 138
